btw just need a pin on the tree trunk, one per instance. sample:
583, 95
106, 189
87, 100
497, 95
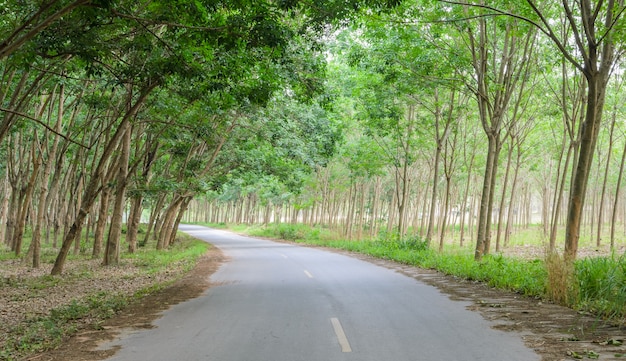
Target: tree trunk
464, 206
481, 237
154, 215
4, 207
606, 174
112, 249
617, 197
376, 208
361, 214
133, 222
509, 221
445, 213
350, 212
30, 189
402, 191
589, 136
169, 221
181, 212
492, 190
505, 183
559, 200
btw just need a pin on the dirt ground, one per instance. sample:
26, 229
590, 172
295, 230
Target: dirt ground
555, 332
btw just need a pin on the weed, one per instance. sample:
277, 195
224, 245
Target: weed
560, 282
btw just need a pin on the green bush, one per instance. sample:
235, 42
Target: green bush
289, 232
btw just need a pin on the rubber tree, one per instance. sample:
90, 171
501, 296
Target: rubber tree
498, 49
593, 50
592, 46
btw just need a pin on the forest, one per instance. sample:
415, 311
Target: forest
459, 122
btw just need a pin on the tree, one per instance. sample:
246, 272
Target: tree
593, 51
591, 46
499, 51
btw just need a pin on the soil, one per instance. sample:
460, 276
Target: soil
554, 332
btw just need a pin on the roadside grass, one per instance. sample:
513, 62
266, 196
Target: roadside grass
42, 332
596, 285
601, 286
185, 250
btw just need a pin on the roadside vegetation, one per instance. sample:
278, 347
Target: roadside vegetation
38, 311
597, 285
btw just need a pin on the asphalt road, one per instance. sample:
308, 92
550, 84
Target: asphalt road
278, 302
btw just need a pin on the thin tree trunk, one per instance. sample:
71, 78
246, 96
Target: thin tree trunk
606, 174
503, 197
464, 206
481, 237
507, 232
376, 208
26, 204
617, 196
112, 249
133, 223
4, 206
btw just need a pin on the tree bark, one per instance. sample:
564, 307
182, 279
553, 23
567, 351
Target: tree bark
112, 249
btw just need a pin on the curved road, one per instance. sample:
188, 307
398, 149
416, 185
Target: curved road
278, 302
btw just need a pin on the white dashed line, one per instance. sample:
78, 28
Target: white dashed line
341, 336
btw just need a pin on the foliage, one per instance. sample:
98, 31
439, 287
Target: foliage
395, 241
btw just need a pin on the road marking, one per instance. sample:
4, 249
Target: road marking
284, 256
341, 336
308, 274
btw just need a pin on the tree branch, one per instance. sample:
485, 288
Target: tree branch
45, 126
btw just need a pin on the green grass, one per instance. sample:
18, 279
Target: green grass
187, 252
599, 283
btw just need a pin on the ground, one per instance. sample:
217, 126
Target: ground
555, 332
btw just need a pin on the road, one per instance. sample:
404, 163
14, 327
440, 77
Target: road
279, 302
